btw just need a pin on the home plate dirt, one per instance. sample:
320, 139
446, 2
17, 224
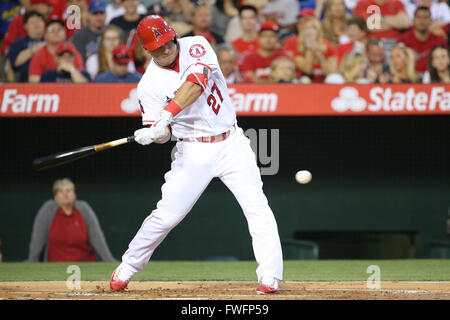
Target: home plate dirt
226, 290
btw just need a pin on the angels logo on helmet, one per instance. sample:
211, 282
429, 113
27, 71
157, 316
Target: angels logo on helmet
156, 33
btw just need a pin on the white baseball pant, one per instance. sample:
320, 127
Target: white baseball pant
195, 165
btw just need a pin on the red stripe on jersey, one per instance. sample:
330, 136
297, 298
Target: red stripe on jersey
150, 122
198, 78
202, 64
173, 108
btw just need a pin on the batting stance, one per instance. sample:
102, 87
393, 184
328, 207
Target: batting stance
184, 93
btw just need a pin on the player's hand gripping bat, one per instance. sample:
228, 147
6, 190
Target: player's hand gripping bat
60, 158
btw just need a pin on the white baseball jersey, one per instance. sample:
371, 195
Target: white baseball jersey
195, 163
211, 114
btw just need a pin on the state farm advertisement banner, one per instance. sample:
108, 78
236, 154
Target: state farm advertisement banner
116, 100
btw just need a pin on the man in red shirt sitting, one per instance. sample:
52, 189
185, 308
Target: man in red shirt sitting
44, 59
66, 229
248, 18
420, 39
65, 71
255, 65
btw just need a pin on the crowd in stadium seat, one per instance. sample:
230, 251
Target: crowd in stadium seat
257, 41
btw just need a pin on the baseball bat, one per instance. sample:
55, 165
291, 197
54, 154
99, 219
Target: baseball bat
61, 158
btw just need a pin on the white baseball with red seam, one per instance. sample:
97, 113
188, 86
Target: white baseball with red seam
303, 176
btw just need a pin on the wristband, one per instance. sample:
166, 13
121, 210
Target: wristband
173, 108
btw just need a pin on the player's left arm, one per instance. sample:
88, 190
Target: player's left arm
187, 94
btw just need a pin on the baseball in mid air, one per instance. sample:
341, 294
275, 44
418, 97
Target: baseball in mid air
303, 176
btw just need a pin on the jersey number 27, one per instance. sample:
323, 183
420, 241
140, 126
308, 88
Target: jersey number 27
212, 101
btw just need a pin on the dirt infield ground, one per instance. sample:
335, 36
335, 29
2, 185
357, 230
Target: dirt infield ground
226, 290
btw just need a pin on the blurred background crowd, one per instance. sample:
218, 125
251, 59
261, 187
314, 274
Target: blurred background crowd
257, 41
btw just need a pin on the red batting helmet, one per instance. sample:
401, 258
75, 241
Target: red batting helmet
154, 31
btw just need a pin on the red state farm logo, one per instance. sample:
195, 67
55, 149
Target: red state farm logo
197, 51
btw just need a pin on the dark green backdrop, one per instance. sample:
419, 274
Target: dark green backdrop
369, 173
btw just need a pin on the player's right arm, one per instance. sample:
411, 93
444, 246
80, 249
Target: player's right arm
150, 108
159, 131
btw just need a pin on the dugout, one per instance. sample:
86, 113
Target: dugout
371, 174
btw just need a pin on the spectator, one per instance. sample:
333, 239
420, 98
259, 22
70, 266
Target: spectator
393, 19
65, 69
354, 67
16, 27
201, 22
8, 10
66, 229
234, 28
227, 57
87, 39
122, 56
301, 19
44, 58
357, 33
222, 12
23, 49
57, 11
115, 9
378, 68
351, 70
103, 60
282, 70
420, 39
58, 7
255, 65
335, 22
440, 14
401, 65
314, 56
438, 66
248, 17
129, 21
283, 12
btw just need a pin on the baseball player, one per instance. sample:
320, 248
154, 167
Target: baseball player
184, 93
